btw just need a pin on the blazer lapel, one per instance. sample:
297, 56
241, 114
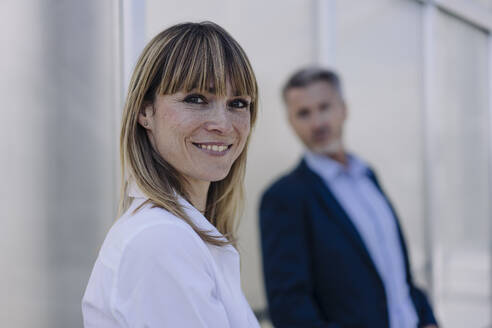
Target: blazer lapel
325, 195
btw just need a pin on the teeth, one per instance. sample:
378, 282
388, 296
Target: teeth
213, 147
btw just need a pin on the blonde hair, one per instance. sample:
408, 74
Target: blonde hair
182, 58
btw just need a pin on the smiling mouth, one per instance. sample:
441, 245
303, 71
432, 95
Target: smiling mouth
213, 148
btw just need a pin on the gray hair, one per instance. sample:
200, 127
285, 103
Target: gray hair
306, 76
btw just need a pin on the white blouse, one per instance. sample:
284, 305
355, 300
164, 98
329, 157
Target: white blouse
154, 271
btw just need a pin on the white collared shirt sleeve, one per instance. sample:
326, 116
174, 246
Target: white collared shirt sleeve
165, 279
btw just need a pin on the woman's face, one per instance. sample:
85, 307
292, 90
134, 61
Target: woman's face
199, 134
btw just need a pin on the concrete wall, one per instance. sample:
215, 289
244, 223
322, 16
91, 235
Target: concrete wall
61, 88
57, 155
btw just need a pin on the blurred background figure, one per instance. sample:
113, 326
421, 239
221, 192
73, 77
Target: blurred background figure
334, 254
420, 78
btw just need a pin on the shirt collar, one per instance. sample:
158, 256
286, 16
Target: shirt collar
195, 215
329, 169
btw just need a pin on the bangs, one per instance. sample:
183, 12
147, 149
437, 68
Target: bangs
206, 58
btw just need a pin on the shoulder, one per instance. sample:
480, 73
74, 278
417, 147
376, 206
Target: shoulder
170, 248
160, 264
149, 233
285, 200
291, 186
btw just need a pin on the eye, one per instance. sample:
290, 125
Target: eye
303, 113
324, 106
195, 99
238, 103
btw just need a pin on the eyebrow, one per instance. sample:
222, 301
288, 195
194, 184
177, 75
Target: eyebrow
208, 90
239, 94
212, 90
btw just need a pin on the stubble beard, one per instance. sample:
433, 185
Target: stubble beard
332, 148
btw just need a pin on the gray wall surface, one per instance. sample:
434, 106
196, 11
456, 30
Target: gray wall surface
58, 153
61, 85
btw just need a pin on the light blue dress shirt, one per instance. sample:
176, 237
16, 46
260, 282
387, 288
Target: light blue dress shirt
372, 217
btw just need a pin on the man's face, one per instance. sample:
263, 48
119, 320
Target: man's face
317, 113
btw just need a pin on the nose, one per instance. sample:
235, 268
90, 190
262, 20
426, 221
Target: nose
220, 120
319, 119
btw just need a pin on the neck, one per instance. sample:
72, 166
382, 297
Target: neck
198, 191
335, 151
340, 157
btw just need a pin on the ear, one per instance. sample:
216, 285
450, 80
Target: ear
289, 111
345, 109
146, 116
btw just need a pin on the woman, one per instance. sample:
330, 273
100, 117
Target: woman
170, 260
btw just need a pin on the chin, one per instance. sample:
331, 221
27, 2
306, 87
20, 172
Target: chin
331, 148
215, 176
221, 177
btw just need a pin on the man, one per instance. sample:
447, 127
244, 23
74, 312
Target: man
333, 250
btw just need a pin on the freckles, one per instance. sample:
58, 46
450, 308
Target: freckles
176, 118
242, 122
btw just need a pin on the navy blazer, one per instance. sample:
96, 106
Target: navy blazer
318, 272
